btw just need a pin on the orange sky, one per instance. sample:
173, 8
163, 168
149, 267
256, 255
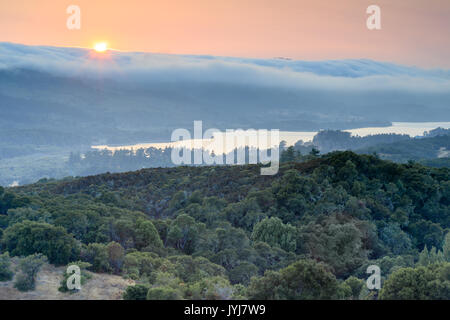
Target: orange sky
414, 32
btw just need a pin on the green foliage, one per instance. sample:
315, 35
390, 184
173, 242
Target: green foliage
116, 255
147, 236
9, 200
446, 247
227, 232
421, 283
337, 240
212, 288
29, 237
5, 272
303, 280
136, 292
163, 293
242, 273
97, 255
430, 257
411, 149
387, 264
395, 239
277, 234
191, 269
184, 233
142, 264
29, 268
356, 286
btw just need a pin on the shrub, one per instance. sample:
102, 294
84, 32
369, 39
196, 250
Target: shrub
26, 238
277, 234
137, 292
163, 293
423, 283
5, 273
29, 268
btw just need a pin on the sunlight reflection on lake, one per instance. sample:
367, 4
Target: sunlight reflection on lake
291, 137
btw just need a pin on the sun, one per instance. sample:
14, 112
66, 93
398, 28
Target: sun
101, 47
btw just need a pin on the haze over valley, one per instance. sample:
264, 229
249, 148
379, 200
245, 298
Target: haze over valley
56, 100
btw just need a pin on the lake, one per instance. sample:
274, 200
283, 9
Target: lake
412, 129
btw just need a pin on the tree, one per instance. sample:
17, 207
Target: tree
5, 272
355, 285
337, 240
116, 255
184, 233
288, 155
243, 273
422, 283
163, 293
211, 288
446, 247
427, 233
28, 237
191, 269
136, 292
9, 200
29, 268
146, 235
268, 287
293, 194
314, 152
97, 255
142, 264
397, 240
277, 234
302, 280
430, 257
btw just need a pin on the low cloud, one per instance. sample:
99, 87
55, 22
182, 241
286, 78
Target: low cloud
339, 75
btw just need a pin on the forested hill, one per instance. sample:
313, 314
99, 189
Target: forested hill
414, 149
227, 232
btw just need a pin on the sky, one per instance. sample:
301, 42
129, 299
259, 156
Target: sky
414, 32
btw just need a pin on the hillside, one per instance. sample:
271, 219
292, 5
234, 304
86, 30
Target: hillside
227, 232
413, 149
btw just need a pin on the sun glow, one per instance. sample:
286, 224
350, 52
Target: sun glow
101, 47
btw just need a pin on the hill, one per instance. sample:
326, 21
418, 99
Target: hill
414, 149
227, 232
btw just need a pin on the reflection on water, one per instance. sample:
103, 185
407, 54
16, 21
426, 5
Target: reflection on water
410, 128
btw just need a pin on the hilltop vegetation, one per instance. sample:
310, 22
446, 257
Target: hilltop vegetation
227, 232
27, 163
425, 149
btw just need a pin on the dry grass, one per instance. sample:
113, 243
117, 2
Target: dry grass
99, 287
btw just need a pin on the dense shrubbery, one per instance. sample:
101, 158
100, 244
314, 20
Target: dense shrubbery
422, 283
227, 232
5, 272
305, 279
25, 238
137, 292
